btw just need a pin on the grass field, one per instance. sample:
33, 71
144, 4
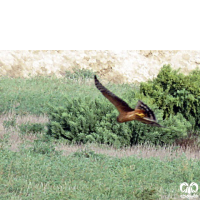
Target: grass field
34, 166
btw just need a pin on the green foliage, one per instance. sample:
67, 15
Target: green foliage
31, 128
175, 93
83, 120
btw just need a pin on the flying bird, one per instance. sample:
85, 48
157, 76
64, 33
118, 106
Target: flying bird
141, 112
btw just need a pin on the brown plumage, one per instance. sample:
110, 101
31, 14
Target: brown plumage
141, 112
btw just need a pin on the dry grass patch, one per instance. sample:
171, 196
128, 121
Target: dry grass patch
142, 151
12, 132
15, 139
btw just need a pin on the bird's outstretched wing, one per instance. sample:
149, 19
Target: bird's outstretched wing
141, 112
121, 105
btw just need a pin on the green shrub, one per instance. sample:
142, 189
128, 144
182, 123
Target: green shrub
31, 128
85, 120
175, 92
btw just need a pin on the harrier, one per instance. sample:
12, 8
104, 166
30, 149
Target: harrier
141, 112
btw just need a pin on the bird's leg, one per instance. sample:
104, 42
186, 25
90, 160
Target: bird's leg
140, 114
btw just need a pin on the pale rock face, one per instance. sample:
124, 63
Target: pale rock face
115, 65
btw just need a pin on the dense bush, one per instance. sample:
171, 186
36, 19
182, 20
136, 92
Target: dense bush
175, 92
84, 120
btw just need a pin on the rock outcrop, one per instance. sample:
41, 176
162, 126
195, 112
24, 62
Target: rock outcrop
116, 66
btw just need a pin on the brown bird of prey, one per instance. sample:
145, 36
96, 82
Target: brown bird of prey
141, 112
